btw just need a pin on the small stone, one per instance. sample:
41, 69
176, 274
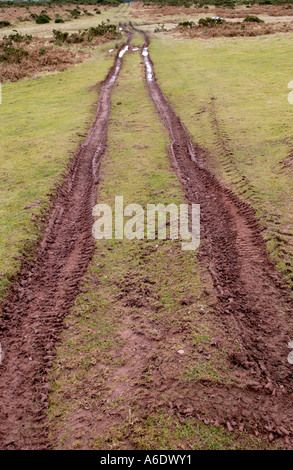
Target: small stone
180, 351
290, 357
229, 426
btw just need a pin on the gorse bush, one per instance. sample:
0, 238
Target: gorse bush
85, 35
43, 18
102, 29
187, 24
74, 13
11, 54
253, 19
4, 24
17, 37
210, 22
60, 36
160, 29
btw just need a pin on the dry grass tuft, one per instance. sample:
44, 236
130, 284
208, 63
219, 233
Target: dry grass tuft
39, 60
24, 56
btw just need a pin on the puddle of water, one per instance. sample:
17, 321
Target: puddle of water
118, 65
122, 52
149, 69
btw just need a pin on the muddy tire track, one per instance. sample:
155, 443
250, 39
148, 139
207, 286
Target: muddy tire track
279, 237
251, 295
32, 314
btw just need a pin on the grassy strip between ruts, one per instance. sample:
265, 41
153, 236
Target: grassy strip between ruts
232, 96
42, 122
141, 302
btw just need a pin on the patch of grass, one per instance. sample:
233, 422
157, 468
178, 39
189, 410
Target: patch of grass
71, 25
38, 137
164, 432
253, 19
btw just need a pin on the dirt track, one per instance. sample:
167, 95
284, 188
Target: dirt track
32, 315
252, 299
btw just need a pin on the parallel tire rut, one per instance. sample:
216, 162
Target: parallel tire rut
46, 288
251, 294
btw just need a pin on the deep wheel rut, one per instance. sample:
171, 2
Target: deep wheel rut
46, 288
252, 297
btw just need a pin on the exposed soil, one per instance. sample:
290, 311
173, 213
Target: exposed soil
251, 295
46, 287
288, 161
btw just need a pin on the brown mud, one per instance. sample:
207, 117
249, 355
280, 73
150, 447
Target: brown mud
252, 299
33, 312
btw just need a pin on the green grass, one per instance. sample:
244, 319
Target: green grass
39, 125
242, 83
164, 432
